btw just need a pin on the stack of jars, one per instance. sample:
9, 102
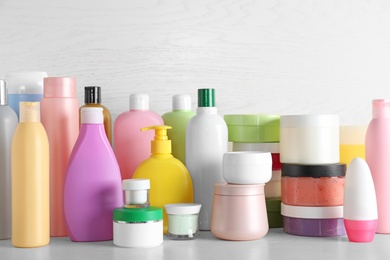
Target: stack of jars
260, 132
312, 177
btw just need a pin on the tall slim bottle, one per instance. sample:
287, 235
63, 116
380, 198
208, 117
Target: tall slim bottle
92, 98
378, 159
93, 186
8, 123
131, 146
178, 119
60, 117
206, 142
30, 180
24, 86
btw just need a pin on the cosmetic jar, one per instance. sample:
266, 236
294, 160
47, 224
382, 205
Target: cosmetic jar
136, 193
247, 167
239, 212
313, 221
138, 227
352, 143
253, 128
183, 220
309, 139
313, 185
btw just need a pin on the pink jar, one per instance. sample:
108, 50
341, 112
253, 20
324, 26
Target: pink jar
239, 212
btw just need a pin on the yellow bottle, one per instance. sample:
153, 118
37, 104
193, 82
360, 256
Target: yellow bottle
30, 180
170, 181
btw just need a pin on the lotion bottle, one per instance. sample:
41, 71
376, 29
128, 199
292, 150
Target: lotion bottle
30, 180
92, 98
60, 117
170, 181
131, 146
206, 142
377, 157
8, 123
178, 119
93, 187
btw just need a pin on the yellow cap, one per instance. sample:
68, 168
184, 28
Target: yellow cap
160, 144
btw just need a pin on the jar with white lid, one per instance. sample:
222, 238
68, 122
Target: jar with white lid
138, 227
309, 139
183, 220
136, 193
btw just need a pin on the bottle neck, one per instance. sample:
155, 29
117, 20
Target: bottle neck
381, 108
206, 110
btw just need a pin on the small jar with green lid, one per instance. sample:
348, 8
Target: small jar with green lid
253, 128
138, 227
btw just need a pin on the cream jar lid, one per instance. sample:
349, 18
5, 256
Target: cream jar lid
182, 208
309, 121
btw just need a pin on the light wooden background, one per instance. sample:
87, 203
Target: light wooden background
262, 56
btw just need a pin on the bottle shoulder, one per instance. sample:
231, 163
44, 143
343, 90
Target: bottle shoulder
138, 118
156, 164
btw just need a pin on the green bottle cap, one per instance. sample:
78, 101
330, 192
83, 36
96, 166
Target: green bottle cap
138, 214
206, 97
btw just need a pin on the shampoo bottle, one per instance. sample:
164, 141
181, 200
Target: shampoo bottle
377, 157
8, 123
170, 181
24, 86
178, 119
360, 209
131, 146
206, 142
60, 117
93, 187
30, 180
92, 98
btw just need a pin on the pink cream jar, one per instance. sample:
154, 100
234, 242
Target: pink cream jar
239, 212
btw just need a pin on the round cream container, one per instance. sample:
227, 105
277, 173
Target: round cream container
136, 193
138, 227
309, 139
183, 220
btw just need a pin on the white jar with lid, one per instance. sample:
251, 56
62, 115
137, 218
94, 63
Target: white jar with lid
309, 139
183, 220
136, 193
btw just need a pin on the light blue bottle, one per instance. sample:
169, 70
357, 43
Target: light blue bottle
24, 86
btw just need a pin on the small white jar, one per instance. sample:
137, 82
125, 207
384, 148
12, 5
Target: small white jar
309, 139
136, 193
247, 167
183, 220
138, 227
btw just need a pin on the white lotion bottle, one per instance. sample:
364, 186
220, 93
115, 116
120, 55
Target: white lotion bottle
360, 207
206, 142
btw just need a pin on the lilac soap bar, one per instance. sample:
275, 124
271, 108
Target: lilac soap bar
314, 227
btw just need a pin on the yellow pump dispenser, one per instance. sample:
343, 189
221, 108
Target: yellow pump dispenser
170, 181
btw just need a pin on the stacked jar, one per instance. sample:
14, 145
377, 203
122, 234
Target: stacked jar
312, 177
260, 132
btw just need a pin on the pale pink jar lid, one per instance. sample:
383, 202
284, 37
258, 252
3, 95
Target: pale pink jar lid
59, 87
238, 189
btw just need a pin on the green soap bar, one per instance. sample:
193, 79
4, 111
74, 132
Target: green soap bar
275, 219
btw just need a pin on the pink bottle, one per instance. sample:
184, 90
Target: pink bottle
60, 117
131, 145
378, 159
93, 187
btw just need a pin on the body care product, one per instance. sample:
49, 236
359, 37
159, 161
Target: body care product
60, 117
360, 208
92, 98
377, 157
24, 86
178, 119
30, 180
206, 142
352, 139
136, 193
8, 123
93, 183
170, 181
183, 219
131, 146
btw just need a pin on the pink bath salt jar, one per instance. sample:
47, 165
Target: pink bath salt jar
313, 185
239, 212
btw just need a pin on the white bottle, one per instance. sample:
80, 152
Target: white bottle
206, 142
8, 123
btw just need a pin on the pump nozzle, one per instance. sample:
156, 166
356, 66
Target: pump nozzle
160, 144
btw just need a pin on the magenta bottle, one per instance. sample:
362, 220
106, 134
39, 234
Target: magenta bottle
93, 187
378, 159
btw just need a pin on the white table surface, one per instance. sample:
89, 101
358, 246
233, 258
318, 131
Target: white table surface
275, 245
